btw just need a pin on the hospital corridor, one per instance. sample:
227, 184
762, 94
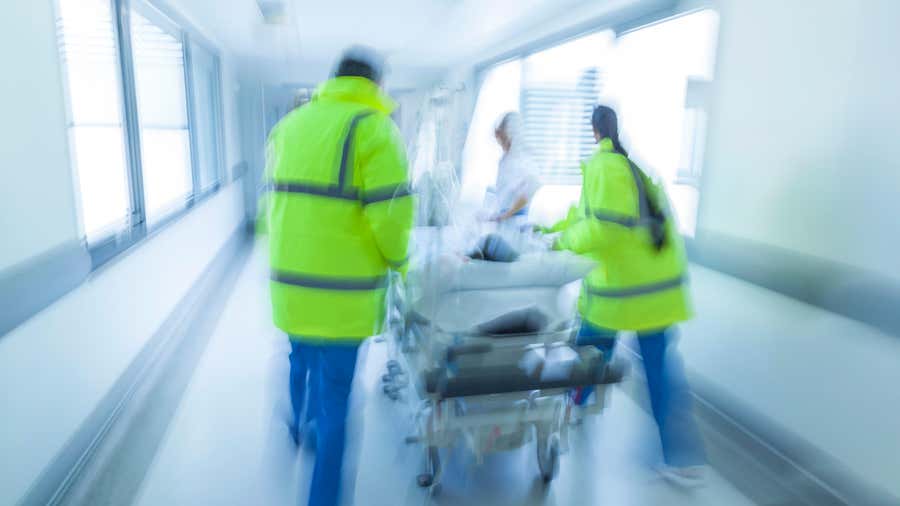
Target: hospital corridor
449, 252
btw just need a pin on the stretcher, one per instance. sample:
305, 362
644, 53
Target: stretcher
483, 354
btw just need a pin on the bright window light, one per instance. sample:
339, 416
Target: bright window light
648, 86
87, 45
655, 77
162, 114
560, 87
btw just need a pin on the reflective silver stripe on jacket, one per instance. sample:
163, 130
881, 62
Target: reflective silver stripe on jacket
329, 283
339, 191
633, 291
618, 219
344, 172
643, 218
334, 192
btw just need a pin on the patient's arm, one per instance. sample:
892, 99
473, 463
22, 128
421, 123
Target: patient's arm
516, 207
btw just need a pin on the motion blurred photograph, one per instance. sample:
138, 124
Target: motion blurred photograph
450, 252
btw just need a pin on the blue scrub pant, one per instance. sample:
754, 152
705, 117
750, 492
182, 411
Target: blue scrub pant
330, 369
670, 398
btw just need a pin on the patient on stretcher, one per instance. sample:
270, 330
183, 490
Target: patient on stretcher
497, 285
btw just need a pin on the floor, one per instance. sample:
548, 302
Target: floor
227, 444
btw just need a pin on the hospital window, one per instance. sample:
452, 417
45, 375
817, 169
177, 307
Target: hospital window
659, 82
143, 115
207, 114
657, 77
560, 86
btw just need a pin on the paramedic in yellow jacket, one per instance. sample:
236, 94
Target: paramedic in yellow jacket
339, 217
640, 284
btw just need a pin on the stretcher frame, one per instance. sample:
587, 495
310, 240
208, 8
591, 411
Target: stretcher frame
483, 423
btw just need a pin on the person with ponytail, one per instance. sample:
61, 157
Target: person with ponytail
639, 285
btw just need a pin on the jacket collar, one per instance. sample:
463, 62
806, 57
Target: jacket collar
605, 145
358, 90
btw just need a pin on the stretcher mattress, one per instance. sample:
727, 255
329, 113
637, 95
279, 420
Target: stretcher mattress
459, 294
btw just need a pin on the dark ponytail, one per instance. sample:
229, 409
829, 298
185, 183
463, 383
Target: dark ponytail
606, 123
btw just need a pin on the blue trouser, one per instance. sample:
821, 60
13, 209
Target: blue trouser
331, 369
670, 398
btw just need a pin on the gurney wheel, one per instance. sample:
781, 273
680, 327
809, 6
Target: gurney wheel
548, 457
430, 478
425, 480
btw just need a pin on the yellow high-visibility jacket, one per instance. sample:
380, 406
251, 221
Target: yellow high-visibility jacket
339, 212
634, 287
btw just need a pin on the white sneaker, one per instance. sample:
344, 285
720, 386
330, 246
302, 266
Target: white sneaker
687, 477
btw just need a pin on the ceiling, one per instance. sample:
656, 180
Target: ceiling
418, 32
419, 36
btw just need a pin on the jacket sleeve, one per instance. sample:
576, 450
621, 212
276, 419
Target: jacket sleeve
384, 189
612, 194
563, 224
582, 237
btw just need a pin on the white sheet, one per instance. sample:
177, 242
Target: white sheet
458, 294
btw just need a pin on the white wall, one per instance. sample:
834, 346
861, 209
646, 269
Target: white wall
802, 150
802, 154
231, 110
56, 366
37, 208
253, 138
410, 102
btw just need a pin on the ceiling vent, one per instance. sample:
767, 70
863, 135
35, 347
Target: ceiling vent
274, 12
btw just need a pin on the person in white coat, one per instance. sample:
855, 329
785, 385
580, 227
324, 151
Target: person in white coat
517, 176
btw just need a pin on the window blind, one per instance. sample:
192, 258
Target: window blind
557, 117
